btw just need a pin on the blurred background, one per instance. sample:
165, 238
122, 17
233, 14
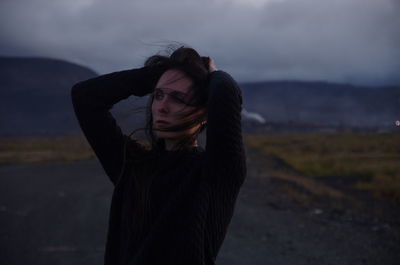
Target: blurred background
321, 122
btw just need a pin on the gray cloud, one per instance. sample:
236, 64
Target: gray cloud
352, 41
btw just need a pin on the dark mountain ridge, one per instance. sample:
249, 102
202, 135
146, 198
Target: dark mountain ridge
35, 99
323, 102
35, 95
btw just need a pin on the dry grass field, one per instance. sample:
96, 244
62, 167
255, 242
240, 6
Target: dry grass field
43, 149
372, 158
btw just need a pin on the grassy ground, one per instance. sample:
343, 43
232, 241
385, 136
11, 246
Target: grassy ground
373, 158
43, 149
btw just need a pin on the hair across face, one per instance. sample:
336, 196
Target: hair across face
177, 108
172, 105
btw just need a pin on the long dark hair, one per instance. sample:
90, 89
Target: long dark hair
196, 68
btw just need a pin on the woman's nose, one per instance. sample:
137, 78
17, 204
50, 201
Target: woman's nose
163, 105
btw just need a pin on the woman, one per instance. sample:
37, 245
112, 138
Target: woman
172, 202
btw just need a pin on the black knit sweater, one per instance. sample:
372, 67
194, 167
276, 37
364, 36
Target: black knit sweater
192, 192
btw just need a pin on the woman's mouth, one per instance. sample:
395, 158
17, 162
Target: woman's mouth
161, 123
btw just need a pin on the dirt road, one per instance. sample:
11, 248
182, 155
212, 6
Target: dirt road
57, 213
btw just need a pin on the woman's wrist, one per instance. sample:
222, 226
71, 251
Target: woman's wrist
211, 65
151, 75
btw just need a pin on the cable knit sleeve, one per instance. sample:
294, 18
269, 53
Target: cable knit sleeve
92, 101
225, 155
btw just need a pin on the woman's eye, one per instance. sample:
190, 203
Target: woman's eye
178, 100
158, 95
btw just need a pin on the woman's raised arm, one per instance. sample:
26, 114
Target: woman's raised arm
92, 101
225, 154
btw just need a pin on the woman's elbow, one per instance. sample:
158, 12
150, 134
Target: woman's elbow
77, 92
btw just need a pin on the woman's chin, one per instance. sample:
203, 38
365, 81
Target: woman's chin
166, 135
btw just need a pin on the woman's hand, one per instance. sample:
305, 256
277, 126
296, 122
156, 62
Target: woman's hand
211, 65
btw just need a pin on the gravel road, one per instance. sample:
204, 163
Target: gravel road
57, 213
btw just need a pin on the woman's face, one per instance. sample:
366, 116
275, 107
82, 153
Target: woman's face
171, 94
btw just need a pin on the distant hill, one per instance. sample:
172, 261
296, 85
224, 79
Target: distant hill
323, 103
35, 99
35, 95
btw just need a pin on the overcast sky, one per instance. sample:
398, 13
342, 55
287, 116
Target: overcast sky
352, 41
